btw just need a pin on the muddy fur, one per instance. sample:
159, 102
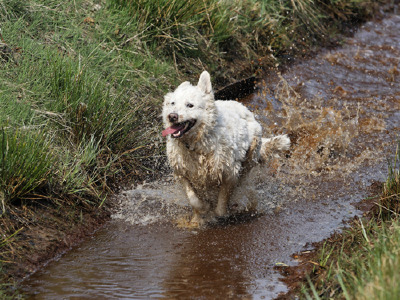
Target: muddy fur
211, 145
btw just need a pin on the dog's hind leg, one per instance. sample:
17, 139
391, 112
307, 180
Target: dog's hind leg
252, 156
223, 199
228, 186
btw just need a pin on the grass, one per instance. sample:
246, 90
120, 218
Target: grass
391, 192
25, 164
81, 83
364, 262
63, 91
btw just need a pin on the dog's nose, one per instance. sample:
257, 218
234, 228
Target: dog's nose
173, 117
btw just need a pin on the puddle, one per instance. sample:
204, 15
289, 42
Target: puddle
342, 111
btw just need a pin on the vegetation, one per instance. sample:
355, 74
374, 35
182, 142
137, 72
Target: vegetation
364, 262
81, 83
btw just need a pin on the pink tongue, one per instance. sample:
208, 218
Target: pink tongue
171, 130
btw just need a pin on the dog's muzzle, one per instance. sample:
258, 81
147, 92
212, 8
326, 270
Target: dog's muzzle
178, 129
173, 117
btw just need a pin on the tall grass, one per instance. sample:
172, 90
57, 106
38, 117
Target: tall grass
362, 267
7, 290
12, 9
84, 102
174, 24
85, 105
239, 29
373, 272
391, 190
26, 163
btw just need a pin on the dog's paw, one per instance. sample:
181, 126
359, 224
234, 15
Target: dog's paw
197, 220
221, 211
207, 219
191, 221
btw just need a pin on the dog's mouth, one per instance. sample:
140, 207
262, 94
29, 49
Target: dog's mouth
179, 129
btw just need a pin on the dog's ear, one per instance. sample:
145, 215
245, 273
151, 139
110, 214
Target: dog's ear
205, 82
167, 97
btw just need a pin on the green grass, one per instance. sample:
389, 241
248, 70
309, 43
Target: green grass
85, 100
391, 191
362, 267
364, 264
25, 164
7, 290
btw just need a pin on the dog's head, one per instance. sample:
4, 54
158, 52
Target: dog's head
189, 108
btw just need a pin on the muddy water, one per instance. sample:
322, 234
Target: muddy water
342, 111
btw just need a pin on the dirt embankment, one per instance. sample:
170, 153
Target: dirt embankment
43, 232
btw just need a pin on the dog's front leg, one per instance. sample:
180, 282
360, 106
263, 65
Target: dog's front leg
199, 207
223, 199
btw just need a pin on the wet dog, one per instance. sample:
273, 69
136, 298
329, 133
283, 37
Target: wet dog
211, 145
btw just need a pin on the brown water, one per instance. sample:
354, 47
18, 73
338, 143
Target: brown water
342, 111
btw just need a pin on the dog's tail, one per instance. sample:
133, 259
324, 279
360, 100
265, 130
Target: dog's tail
273, 145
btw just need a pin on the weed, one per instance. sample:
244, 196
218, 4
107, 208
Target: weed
391, 190
232, 30
12, 9
84, 104
25, 163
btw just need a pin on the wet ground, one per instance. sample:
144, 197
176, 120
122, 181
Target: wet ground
342, 112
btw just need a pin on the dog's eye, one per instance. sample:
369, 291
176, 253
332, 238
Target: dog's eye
172, 103
190, 105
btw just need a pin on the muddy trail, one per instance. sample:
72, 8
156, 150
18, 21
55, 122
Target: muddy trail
342, 112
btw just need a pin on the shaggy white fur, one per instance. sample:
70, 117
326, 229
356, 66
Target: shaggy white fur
212, 144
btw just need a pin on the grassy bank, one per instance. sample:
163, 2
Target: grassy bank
81, 83
363, 263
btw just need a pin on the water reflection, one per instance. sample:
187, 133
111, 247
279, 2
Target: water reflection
210, 265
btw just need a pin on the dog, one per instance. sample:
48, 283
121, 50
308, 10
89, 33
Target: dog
211, 145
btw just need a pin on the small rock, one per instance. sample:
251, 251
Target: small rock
6, 53
96, 7
89, 20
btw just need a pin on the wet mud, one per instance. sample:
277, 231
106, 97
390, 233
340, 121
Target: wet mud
342, 112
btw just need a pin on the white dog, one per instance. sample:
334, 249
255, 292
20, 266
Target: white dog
212, 144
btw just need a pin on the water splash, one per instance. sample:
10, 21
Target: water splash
164, 201
151, 202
